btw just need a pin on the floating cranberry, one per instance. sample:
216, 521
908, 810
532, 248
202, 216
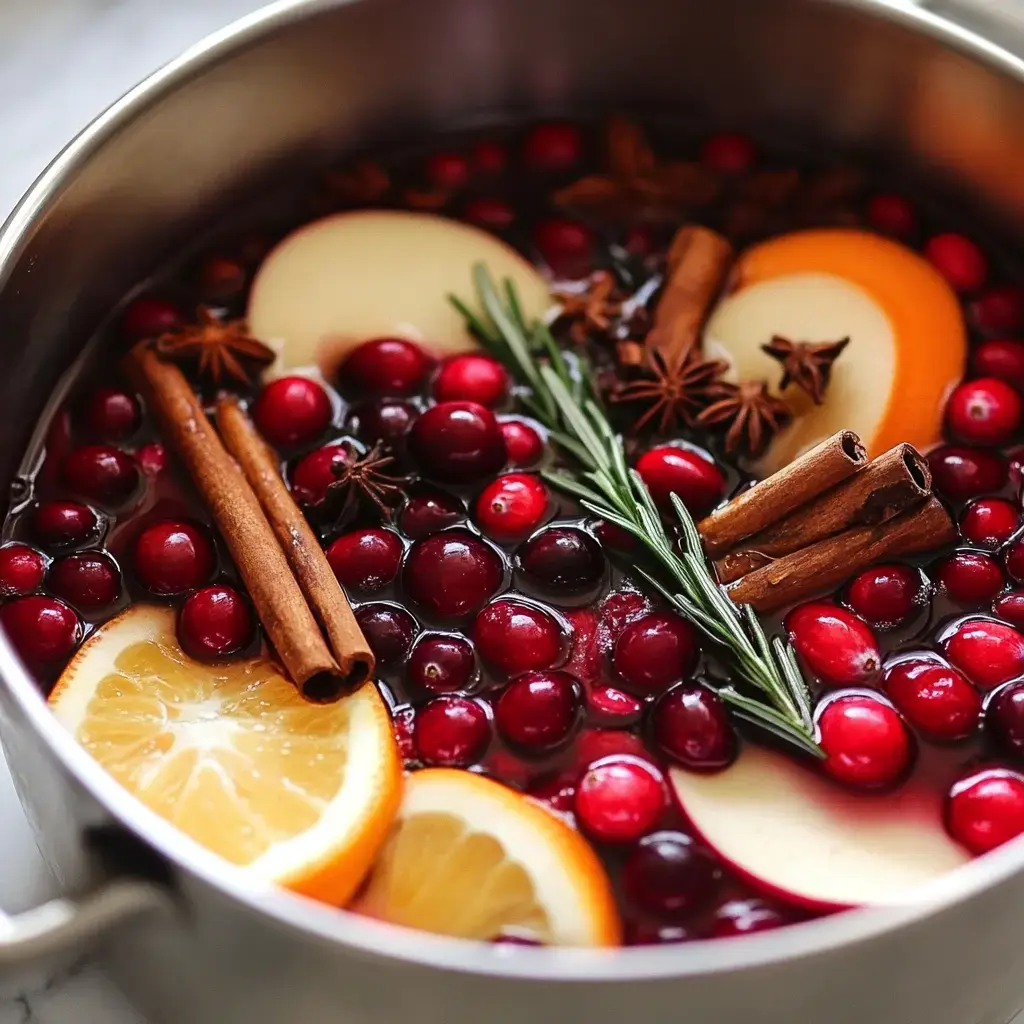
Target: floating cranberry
608, 705
173, 556
538, 710
221, 277
865, 742
728, 153
998, 310
215, 622
1011, 608
470, 377
934, 698
366, 559
567, 246
101, 473
970, 578
21, 570
885, 595
292, 411
512, 506
692, 475
639, 240
111, 414
522, 442
892, 215
691, 726
958, 260
447, 170
452, 574
441, 664
452, 731
619, 799
988, 653
836, 645
513, 636
149, 317
562, 562
986, 809
488, 212
89, 580
389, 630
43, 630
1004, 718
386, 419
59, 523
489, 157
316, 471
385, 366
430, 512
656, 651
614, 537
457, 442
986, 411
403, 722
989, 522
152, 458
670, 875
554, 790
652, 933
552, 146
1015, 560
963, 473
1003, 360
744, 917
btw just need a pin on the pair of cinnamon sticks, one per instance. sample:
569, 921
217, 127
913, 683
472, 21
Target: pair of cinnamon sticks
298, 599
822, 519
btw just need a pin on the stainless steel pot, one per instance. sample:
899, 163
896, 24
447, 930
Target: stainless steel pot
193, 941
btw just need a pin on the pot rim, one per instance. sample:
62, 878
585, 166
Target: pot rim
328, 924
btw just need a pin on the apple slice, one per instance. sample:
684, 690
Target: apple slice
350, 277
803, 839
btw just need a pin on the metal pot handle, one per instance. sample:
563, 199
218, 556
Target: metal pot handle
1001, 21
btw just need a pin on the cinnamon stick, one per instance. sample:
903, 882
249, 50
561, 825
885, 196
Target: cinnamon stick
280, 602
313, 572
897, 480
825, 465
698, 262
823, 566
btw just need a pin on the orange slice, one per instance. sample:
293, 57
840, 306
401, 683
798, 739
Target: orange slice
302, 794
470, 858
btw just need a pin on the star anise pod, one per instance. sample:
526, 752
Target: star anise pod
591, 310
749, 413
362, 478
806, 364
674, 393
220, 347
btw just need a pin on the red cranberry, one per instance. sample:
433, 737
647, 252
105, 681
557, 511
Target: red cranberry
986, 809
152, 458
614, 537
366, 559
552, 146
512, 637
728, 153
651, 933
562, 561
1015, 560
452, 731
149, 317
316, 471
655, 651
670, 876
970, 578
836, 645
448, 170
457, 442
451, 574
221, 277
963, 473
865, 742
986, 411
215, 622
892, 215
691, 726
935, 699
490, 213
385, 366
1004, 718
173, 556
89, 580
101, 473
555, 791
1003, 360
988, 653
958, 260
567, 246
489, 157
430, 512
386, 419
111, 414
608, 705
639, 240
470, 377
619, 799
1011, 608
21, 570
403, 722
885, 595
538, 710
522, 442
58, 523
989, 522
744, 917
685, 472
998, 310
291, 411
43, 630
441, 664
389, 630
598, 744
512, 506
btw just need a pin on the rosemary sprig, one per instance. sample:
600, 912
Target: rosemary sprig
561, 394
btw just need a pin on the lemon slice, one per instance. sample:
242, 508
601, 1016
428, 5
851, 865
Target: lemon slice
302, 794
470, 858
